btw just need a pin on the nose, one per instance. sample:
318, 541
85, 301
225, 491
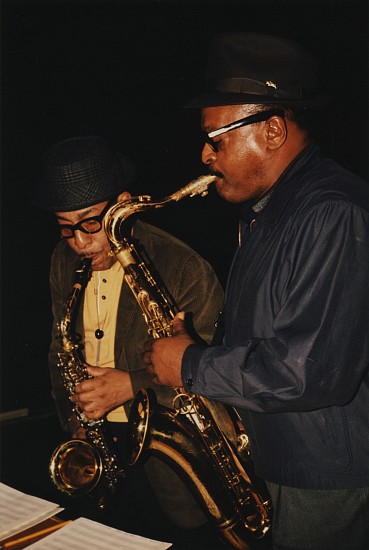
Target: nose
82, 239
208, 154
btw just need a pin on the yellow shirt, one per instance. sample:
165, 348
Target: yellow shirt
100, 313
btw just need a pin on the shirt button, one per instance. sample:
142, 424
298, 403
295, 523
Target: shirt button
190, 382
103, 297
104, 280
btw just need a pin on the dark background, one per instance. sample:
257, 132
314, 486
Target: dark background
124, 70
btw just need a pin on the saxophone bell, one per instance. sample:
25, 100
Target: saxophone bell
76, 467
199, 441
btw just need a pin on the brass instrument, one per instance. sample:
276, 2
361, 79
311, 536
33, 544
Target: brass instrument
79, 467
203, 441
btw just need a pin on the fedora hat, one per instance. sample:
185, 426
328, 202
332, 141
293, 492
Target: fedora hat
246, 68
79, 172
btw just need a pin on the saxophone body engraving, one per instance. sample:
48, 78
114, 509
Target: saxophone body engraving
91, 466
203, 441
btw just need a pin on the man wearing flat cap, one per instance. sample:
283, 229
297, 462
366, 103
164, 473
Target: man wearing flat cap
82, 178
293, 357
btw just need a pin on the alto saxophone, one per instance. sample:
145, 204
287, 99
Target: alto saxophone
79, 467
203, 441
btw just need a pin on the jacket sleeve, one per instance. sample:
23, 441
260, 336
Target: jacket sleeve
58, 297
199, 293
318, 354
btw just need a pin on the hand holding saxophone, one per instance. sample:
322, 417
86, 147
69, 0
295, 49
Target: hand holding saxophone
108, 389
163, 356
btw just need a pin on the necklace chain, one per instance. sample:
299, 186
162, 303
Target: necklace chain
99, 332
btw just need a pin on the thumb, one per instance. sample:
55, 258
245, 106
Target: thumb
178, 324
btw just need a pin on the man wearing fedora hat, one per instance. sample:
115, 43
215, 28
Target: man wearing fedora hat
82, 178
293, 355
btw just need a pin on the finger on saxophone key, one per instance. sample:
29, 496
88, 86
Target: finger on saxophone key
178, 323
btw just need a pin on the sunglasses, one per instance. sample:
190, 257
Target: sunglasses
251, 119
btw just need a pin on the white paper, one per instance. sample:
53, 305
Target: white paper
84, 533
18, 511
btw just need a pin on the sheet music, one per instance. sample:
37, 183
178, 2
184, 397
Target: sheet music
84, 533
18, 511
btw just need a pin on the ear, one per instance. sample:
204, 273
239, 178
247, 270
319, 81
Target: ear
276, 132
124, 196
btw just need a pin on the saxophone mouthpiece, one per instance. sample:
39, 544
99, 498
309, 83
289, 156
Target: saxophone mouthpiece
199, 186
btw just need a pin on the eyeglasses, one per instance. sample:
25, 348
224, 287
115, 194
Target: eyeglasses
88, 225
251, 119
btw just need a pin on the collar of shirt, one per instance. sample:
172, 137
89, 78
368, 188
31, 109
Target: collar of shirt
281, 190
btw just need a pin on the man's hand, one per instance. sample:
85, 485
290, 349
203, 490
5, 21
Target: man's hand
163, 356
108, 389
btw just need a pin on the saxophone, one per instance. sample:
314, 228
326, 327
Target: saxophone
79, 467
203, 441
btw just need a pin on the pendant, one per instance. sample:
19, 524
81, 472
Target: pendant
99, 334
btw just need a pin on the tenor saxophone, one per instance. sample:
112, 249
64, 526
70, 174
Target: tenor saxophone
203, 441
80, 467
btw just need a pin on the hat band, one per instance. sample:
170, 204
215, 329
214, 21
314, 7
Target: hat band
251, 86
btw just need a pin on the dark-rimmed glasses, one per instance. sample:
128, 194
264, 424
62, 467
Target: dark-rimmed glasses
88, 225
251, 119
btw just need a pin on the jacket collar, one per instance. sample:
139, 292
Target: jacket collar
282, 189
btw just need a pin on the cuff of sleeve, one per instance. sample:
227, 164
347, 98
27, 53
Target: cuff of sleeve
140, 379
190, 364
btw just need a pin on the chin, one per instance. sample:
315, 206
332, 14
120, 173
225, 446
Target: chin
102, 264
228, 195
101, 267
235, 194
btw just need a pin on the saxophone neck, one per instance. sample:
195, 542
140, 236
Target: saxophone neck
118, 213
81, 277
116, 216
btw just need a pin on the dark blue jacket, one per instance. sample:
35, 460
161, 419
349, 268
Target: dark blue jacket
294, 359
